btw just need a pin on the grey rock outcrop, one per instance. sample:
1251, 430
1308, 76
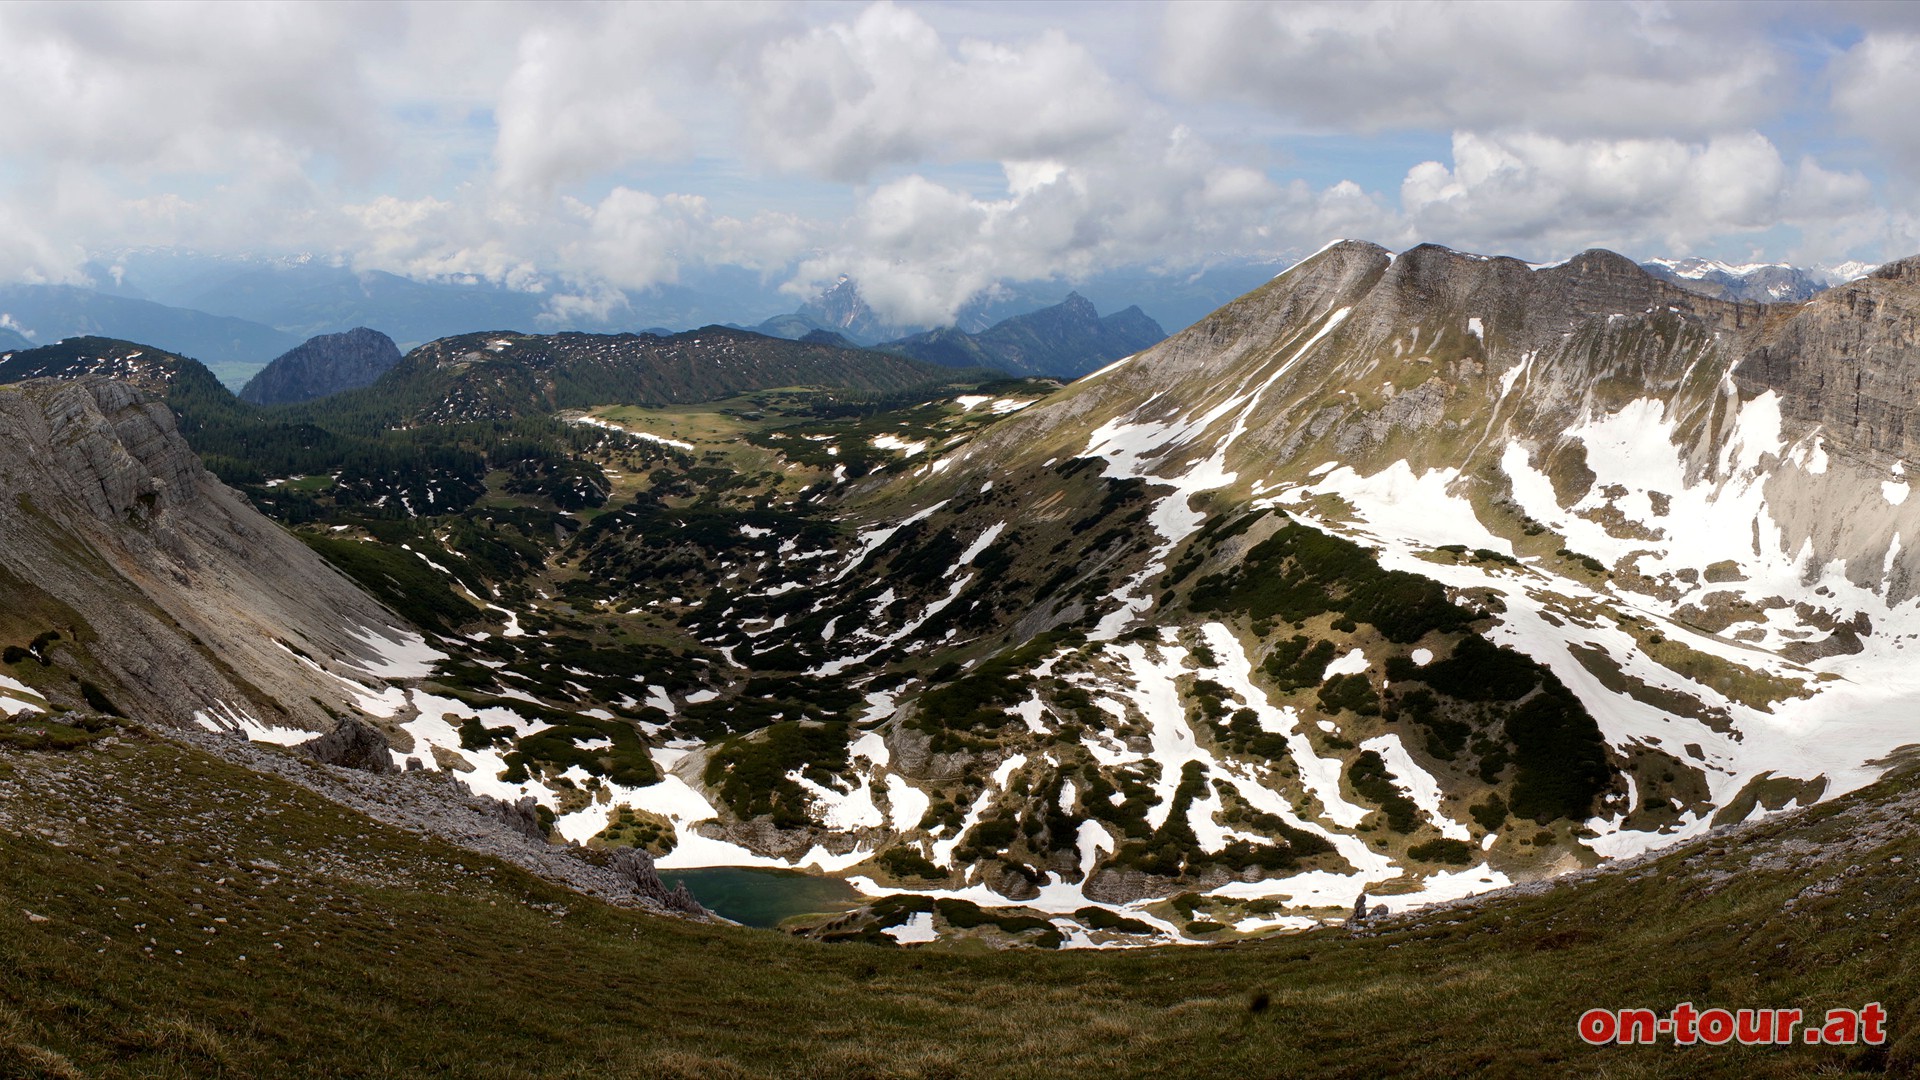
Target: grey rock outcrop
522, 815
352, 745
1109, 885
637, 867
323, 365
438, 805
1008, 882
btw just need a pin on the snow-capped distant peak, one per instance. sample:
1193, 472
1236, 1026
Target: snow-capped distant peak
1696, 269
1841, 273
1693, 268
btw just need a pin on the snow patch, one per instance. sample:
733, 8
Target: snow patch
17, 697
406, 657
871, 539
914, 931
225, 717
1353, 663
909, 447
1418, 783
594, 421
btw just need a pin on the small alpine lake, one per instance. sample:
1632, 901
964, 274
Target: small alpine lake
755, 896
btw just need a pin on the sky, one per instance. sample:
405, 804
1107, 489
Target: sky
932, 149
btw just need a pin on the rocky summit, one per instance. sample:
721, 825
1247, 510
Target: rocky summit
323, 365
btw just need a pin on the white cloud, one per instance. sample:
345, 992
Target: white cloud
846, 99
1553, 195
560, 122
595, 88
580, 254
921, 249
578, 150
1562, 68
186, 87
1875, 85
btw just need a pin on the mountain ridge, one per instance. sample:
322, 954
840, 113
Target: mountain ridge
1064, 341
231, 346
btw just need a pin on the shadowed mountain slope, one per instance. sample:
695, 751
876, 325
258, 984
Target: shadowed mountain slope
1064, 341
323, 365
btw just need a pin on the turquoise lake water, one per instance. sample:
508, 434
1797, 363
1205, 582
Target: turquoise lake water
756, 897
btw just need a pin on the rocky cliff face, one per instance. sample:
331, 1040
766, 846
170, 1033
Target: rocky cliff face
157, 591
323, 365
1849, 363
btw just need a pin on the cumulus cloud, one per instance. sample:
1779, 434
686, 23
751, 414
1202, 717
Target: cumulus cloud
558, 123
583, 256
186, 87
633, 239
595, 88
1093, 176
1550, 194
1875, 84
1560, 68
921, 249
583, 151
846, 99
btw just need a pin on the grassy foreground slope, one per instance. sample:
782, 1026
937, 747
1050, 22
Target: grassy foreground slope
165, 913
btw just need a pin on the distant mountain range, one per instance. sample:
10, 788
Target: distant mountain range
306, 296
1167, 300
234, 314
1760, 283
503, 375
233, 348
1065, 341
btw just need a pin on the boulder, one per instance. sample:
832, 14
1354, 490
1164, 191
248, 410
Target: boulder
351, 745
